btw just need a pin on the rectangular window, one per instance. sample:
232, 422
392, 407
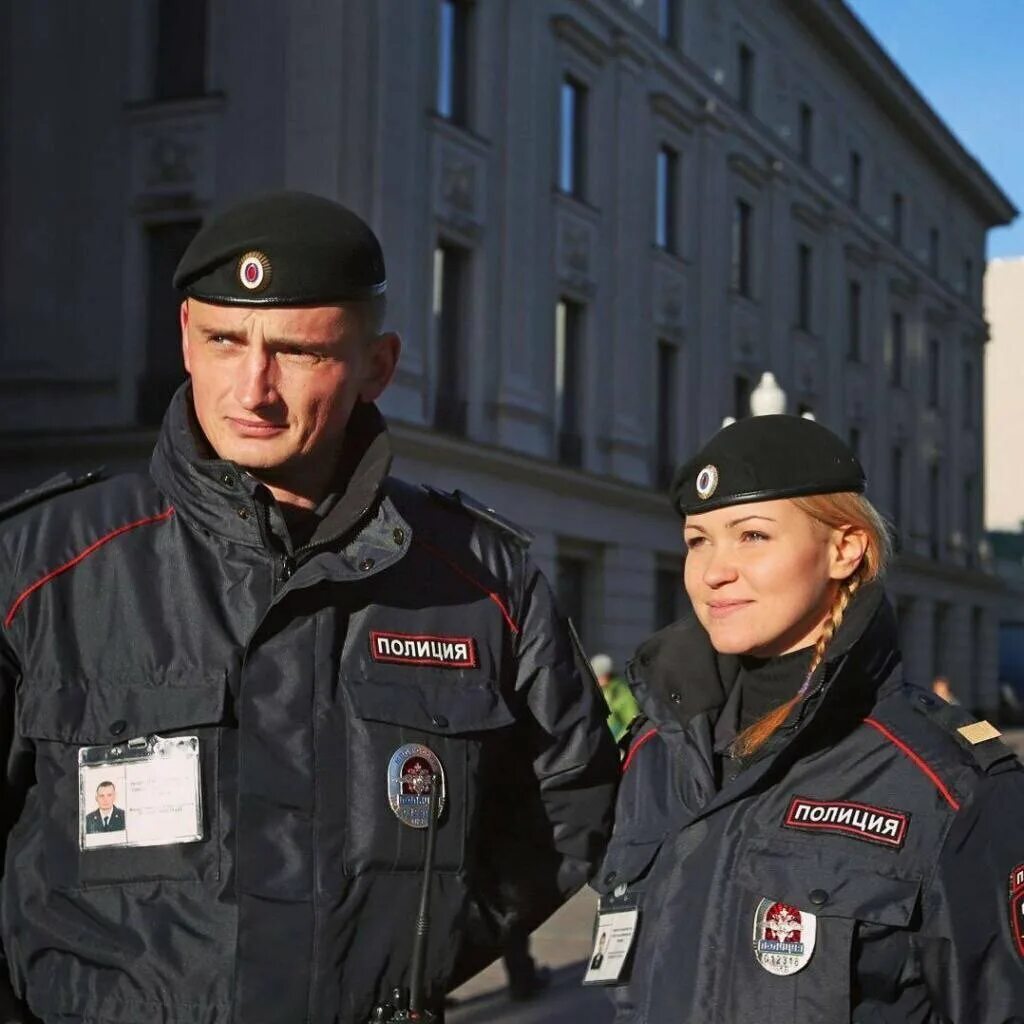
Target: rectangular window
571, 168
970, 519
451, 265
855, 441
571, 586
162, 371
853, 321
934, 372
740, 396
743, 215
568, 390
855, 178
453, 61
668, 597
968, 398
806, 134
804, 287
896, 341
745, 78
897, 218
934, 511
179, 67
665, 414
968, 278
666, 198
896, 487
933, 251
668, 21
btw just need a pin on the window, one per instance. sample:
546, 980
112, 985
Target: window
571, 586
896, 487
806, 134
897, 341
666, 190
933, 251
855, 441
968, 278
970, 519
743, 215
571, 169
453, 61
568, 365
668, 21
934, 372
934, 511
967, 400
803, 287
853, 321
668, 597
451, 265
179, 67
740, 396
855, 178
665, 413
162, 370
745, 63
897, 218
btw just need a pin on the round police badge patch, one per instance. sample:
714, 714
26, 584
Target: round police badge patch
254, 271
783, 937
707, 481
410, 772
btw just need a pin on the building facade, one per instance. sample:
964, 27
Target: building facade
603, 220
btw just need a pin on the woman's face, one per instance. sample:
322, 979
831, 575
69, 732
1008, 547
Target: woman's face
762, 576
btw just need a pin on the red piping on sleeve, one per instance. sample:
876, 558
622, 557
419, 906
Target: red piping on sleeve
640, 741
441, 556
71, 563
918, 760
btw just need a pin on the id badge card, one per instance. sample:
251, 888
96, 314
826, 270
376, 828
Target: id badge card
618, 917
146, 792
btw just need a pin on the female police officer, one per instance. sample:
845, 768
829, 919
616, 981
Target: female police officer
809, 838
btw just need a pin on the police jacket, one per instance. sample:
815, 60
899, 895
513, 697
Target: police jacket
866, 865
173, 604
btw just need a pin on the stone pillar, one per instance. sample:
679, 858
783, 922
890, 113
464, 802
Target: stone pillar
628, 600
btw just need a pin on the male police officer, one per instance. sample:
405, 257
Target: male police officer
281, 648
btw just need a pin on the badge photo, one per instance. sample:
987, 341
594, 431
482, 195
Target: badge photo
784, 937
410, 774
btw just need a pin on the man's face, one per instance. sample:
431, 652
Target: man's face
274, 388
105, 797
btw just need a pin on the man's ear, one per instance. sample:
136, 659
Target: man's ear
848, 546
183, 320
382, 361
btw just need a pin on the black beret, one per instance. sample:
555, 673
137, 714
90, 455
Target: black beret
763, 458
283, 249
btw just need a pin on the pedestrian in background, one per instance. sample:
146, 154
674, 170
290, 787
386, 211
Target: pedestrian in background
622, 706
308, 650
807, 836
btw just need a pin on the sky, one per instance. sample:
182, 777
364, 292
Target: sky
965, 58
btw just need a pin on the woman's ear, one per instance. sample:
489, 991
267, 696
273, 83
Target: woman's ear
847, 547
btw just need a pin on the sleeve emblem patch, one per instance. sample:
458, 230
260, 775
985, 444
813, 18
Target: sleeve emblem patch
1017, 907
847, 818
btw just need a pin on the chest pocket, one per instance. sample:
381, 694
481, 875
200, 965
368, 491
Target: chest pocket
843, 897
465, 723
63, 718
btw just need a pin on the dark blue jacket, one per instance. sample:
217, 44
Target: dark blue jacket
171, 603
894, 837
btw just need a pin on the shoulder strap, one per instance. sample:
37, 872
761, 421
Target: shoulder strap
469, 505
60, 484
980, 739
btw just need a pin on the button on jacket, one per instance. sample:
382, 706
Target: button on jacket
175, 603
879, 826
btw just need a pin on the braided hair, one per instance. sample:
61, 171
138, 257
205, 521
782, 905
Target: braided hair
831, 511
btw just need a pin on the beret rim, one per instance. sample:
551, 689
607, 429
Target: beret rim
356, 295
772, 494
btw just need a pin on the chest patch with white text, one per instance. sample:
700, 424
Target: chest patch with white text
848, 818
421, 649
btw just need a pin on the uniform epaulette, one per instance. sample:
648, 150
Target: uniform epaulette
59, 484
980, 739
470, 505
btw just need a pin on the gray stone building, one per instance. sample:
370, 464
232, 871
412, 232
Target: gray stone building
604, 219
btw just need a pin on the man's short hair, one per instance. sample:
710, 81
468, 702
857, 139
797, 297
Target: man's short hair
106, 785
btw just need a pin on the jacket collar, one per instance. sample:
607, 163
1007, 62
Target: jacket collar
224, 499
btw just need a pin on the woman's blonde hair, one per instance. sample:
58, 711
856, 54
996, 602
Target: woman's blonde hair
831, 511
